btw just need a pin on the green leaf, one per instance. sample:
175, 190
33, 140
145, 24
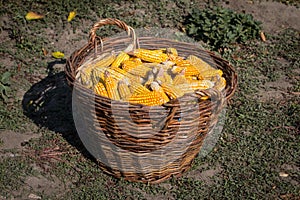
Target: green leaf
5, 78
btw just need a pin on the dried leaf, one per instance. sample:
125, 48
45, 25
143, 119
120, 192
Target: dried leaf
45, 52
283, 174
32, 15
71, 15
262, 36
58, 54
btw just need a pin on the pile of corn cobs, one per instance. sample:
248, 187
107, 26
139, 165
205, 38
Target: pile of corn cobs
148, 77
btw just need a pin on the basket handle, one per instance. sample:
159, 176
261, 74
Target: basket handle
111, 21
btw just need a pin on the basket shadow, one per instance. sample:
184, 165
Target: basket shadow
48, 103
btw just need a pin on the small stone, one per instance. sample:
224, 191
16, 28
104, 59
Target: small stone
34, 196
283, 174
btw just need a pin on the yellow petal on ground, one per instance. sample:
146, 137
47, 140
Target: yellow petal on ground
71, 15
58, 54
32, 15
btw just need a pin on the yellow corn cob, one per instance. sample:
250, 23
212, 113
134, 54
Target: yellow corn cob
124, 90
122, 56
189, 70
139, 70
207, 74
100, 89
156, 87
150, 55
201, 84
103, 60
199, 63
96, 77
172, 91
116, 73
220, 84
111, 86
129, 64
180, 78
137, 88
136, 60
182, 63
193, 78
185, 88
151, 98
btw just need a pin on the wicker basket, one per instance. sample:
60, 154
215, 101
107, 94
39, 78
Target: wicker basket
142, 143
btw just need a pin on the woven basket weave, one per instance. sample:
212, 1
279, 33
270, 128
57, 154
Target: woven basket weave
142, 143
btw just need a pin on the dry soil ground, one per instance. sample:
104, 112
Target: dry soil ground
274, 17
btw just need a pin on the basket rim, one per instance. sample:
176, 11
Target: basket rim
89, 47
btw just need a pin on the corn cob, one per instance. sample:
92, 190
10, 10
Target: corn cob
201, 84
182, 63
129, 64
136, 60
124, 74
96, 77
137, 88
199, 63
150, 98
208, 74
103, 60
189, 70
123, 89
100, 89
96, 68
150, 55
220, 84
185, 88
111, 86
156, 87
180, 78
193, 78
116, 73
137, 70
122, 56
172, 91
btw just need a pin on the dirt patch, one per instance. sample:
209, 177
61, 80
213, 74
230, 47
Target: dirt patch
275, 90
205, 175
14, 140
274, 16
43, 185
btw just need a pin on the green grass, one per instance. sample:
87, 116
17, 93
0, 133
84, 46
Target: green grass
260, 138
12, 174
